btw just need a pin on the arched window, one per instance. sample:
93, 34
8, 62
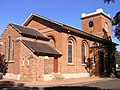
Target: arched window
52, 41
9, 41
84, 52
5, 49
12, 50
106, 27
70, 51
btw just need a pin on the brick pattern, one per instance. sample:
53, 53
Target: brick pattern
13, 66
99, 24
60, 41
33, 68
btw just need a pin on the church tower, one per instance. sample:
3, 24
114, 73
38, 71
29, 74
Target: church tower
97, 23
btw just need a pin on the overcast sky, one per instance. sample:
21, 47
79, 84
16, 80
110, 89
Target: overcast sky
64, 11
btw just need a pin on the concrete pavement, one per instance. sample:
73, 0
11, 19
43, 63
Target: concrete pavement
88, 83
73, 81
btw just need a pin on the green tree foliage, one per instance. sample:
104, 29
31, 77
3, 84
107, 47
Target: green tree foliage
3, 65
116, 22
117, 56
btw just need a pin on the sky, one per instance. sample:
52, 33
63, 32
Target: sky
64, 11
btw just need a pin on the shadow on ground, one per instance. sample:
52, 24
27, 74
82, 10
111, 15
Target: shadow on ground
9, 85
72, 88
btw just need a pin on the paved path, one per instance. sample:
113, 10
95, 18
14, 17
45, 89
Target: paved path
65, 82
103, 84
90, 83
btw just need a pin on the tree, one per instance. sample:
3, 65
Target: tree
3, 66
116, 22
117, 56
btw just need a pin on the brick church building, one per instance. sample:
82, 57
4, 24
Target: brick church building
43, 49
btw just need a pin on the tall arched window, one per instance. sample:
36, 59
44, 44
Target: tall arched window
70, 51
5, 49
12, 50
83, 52
9, 41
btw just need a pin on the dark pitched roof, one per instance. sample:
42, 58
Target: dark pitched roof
42, 49
74, 31
29, 32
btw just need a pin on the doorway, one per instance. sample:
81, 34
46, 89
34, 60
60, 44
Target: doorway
101, 63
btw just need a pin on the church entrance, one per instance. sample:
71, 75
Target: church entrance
101, 63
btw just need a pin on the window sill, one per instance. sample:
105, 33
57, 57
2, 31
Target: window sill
83, 64
94, 64
70, 64
10, 61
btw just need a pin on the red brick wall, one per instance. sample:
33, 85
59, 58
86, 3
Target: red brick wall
48, 66
99, 24
60, 40
33, 69
13, 67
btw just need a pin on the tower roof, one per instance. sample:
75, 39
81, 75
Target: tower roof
98, 12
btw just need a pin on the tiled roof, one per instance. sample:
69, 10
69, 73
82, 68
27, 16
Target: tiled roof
29, 32
71, 30
42, 49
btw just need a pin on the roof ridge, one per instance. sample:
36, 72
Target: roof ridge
48, 19
15, 27
23, 26
40, 16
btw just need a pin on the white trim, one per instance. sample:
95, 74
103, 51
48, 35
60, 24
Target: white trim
10, 61
100, 10
71, 63
1, 43
67, 76
48, 77
83, 64
28, 62
46, 58
12, 76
